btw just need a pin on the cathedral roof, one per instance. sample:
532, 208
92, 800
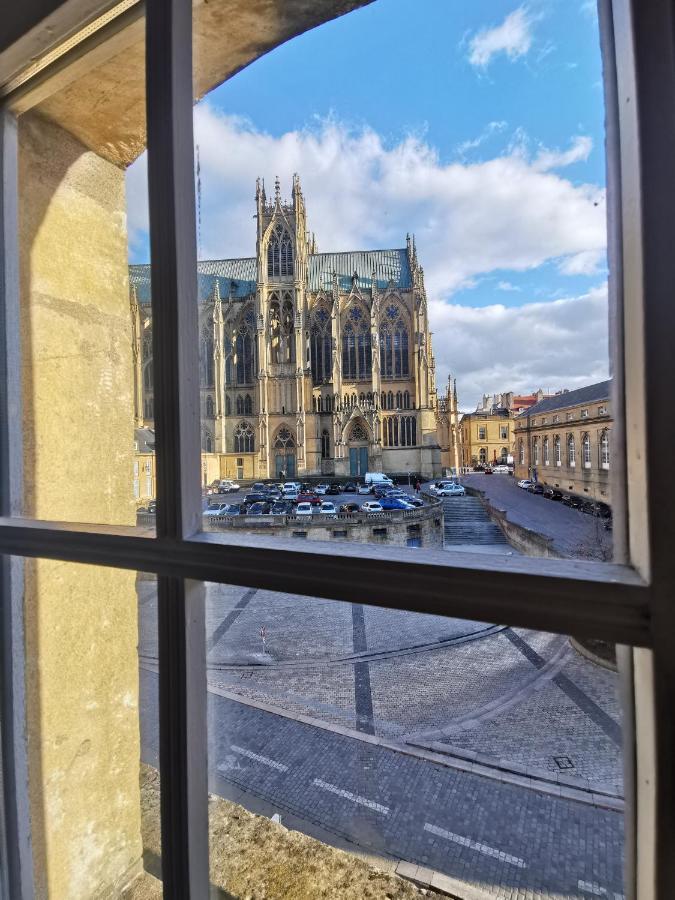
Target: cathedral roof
237, 277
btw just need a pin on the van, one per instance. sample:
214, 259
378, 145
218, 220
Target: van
378, 478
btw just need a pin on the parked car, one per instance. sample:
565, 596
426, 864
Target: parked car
378, 478
259, 509
450, 490
291, 496
152, 506
395, 503
525, 483
349, 488
572, 501
349, 507
303, 509
363, 489
479, 468
226, 487
372, 506
258, 486
488, 470
321, 489
255, 497
415, 501
395, 492
309, 497
536, 488
501, 469
281, 508
334, 489
601, 510
290, 486
327, 508
553, 494
272, 492
215, 510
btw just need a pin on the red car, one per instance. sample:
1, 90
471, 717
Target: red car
309, 497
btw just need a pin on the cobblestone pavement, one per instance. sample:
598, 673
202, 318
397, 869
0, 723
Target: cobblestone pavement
512, 843
573, 533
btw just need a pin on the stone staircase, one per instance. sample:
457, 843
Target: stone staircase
467, 522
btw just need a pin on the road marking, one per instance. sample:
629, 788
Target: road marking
363, 801
265, 760
475, 845
591, 887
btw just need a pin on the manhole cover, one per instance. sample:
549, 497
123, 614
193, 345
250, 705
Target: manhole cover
563, 762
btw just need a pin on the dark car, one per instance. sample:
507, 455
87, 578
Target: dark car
600, 509
272, 492
255, 497
553, 494
309, 497
258, 487
282, 508
259, 509
488, 470
572, 501
416, 501
536, 488
349, 488
349, 507
478, 468
334, 489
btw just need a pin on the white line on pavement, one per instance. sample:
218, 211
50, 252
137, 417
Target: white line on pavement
590, 887
475, 845
265, 760
363, 801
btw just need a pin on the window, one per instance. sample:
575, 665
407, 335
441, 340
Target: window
394, 362
210, 412
482, 430
569, 416
279, 253
228, 405
604, 449
602, 410
325, 445
248, 405
482, 455
535, 454
571, 451
584, 413
321, 343
557, 457
399, 431
586, 450
521, 452
546, 455
244, 438
555, 420
356, 343
406, 400
503, 432
206, 357
207, 442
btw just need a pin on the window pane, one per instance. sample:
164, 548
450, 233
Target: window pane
487, 755
86, 325
89, 654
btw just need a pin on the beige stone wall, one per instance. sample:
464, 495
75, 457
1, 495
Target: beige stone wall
81, 621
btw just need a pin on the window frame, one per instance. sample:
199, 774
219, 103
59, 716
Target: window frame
628, 603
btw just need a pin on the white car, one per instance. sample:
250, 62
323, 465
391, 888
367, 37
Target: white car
327, 509
363, 489
228, 487
501, 469
524, 483
290, 486
321, 488
290, 494
450, 490
215, 511
303, 509
372, 506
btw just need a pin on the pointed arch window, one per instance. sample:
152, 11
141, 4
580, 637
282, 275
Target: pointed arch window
557, 455
244, 438
406, 400
394, 349
210, 412
146, 363
228, 406
535, 451
325, 444
321, 345
586, 450
604, 449
279, 253
571, 451
547, 460
357, 354
399, 400
243, 357
207, 442
206, 359
248, 405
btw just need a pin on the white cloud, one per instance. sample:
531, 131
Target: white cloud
588, 262
557, 159
557, 344
513, 37
507, 286
489, 131
504, 213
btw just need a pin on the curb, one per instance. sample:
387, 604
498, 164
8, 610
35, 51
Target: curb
564, 787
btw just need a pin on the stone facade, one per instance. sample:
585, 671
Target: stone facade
311, 363
564, 441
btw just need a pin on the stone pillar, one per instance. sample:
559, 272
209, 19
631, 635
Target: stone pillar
80, 621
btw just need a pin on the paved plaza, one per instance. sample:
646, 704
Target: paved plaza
465, 733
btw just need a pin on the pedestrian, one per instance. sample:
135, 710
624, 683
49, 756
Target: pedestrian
418, 486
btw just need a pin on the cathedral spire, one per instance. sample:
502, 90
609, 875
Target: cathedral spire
277, 191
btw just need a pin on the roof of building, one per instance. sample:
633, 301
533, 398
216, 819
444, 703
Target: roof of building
236, 278
589, 394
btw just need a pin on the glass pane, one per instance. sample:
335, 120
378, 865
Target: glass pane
449, 752
91, 726
86, 335
476, 343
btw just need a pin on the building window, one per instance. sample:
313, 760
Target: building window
503, 432
482, 432
521, 452
248, 405
555, 420
604, 449
228, 406
569, 416
325, 445
584, 413
571, 451
394, 362
244, 438
602, 410
536, 451
482, 456
279, 253
557, 455
546, 456
357, 355
207, 442
504, 456
206, 360
406, 400
586, 450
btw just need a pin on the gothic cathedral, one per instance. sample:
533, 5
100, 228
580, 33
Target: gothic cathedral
310, 363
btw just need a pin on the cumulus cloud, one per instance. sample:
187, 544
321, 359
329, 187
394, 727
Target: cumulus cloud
579, 151
510, 212
507, 286
513, 37
557, 344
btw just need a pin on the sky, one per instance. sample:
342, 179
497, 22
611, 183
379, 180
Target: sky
477, 125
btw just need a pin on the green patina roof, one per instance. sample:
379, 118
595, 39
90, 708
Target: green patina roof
237, 277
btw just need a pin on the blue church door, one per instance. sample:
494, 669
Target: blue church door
358, 460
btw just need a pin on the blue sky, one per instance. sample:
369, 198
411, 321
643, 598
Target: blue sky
478, 125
